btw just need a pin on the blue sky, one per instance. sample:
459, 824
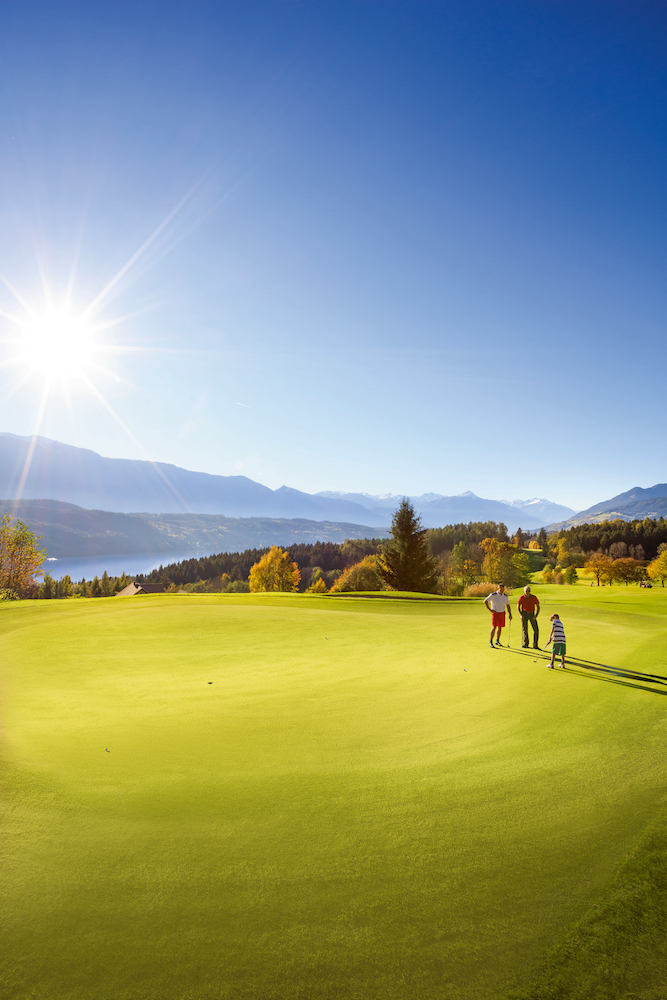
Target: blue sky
375, 246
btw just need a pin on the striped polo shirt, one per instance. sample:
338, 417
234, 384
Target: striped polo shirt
559, 631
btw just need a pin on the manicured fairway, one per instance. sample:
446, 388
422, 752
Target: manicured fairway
314, 797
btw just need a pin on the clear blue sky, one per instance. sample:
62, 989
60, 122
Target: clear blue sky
420, 246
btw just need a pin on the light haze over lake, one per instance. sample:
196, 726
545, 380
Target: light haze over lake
133, 565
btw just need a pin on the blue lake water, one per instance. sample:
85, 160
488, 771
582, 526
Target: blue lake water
132, 565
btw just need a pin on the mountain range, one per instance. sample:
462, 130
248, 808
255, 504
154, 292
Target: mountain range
83, 504
635, 503
62, 472
437, 510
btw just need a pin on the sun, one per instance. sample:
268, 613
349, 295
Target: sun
58, 345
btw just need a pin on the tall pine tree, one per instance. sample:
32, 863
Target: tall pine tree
405, 563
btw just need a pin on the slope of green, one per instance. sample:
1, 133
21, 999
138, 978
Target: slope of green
619, 948
315, 798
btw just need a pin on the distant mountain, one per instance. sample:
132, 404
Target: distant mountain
636, 503
86, 479
469, 507
437, 510
636, 495
69, 531
543, 510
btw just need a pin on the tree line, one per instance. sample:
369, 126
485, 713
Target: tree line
644, 536
451, 561
612, 552
441, 561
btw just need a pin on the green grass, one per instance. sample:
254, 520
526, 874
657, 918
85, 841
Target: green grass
367, 802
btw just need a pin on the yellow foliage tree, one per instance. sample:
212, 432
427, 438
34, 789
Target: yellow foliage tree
657, 570
563, 552
362, 576
274, 571
20, 558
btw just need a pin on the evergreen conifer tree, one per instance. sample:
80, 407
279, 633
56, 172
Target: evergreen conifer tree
405, 563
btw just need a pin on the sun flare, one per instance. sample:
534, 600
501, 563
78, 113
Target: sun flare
58, 344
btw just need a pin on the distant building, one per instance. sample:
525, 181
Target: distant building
137, 587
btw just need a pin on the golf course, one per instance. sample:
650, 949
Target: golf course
293, 797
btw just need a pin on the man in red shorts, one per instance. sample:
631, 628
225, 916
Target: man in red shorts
497, 603
529, 609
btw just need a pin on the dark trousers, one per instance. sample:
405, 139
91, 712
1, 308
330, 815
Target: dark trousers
525, 618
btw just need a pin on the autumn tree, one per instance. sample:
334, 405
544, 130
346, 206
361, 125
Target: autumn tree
657, 569
405, 563
496, 555
626, 570
20, 558
463, 566
504, 563
563, 552
362, 576
275, 571
599, 565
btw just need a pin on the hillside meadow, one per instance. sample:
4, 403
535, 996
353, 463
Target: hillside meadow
285, 796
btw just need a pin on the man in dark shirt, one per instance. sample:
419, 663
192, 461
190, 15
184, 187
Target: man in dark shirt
529, 609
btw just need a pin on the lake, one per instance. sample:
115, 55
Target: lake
132, 565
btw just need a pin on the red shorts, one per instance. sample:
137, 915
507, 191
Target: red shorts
498, 618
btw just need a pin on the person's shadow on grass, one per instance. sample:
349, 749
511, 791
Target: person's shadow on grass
605, 672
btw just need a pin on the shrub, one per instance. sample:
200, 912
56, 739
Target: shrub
238, 587
480, 590
7, 594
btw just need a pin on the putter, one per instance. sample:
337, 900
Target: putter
509, 635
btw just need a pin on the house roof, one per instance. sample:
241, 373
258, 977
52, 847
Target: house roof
141, 588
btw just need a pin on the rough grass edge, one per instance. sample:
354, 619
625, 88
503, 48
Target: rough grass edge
619, 949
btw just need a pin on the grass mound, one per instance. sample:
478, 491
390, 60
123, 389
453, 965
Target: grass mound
320, 797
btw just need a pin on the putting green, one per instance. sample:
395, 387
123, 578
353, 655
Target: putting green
308, 797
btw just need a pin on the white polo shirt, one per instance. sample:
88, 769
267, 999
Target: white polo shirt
497, 601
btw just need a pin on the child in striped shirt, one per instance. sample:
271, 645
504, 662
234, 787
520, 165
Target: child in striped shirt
558, 636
